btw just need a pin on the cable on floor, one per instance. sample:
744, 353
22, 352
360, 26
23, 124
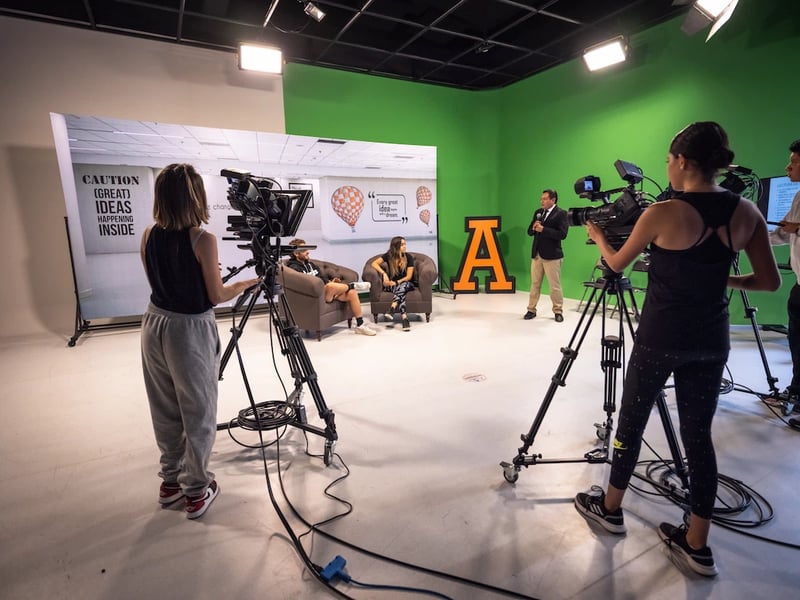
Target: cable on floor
313, 568
315, 528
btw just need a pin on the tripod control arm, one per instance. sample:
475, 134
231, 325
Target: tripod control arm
234, 271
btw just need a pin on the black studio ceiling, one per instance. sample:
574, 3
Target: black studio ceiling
469, 44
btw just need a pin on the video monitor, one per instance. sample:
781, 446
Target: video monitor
776, 198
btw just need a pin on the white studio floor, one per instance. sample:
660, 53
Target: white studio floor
424, 419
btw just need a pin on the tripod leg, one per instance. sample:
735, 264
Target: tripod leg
570, 353
634, 305
303, 372
679, 468
236, 332
611, 363
750, 313
300, 366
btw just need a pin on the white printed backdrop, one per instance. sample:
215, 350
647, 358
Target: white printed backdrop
359, 209
115, 204
364, 193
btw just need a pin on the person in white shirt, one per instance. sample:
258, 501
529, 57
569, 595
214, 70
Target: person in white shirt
787, 233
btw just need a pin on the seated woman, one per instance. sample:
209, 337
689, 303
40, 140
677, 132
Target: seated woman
335, 289
397, 270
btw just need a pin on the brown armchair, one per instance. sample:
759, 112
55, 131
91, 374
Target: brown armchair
420, 300
305, 295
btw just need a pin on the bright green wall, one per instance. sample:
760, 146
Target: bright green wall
497, 150
567, 123
461, 124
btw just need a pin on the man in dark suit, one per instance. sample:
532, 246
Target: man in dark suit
548, 227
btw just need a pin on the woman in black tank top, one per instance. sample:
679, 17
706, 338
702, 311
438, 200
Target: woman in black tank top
692, 239
180, 342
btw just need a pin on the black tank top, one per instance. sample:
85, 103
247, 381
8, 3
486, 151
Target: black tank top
686, 305
174, 273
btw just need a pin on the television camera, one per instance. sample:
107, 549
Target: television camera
616, 218
266, 211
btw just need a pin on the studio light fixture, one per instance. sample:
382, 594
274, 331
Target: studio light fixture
606, 54
260, 58
705, 12
313, 11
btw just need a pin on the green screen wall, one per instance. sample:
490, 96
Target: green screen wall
462, 125
498, 149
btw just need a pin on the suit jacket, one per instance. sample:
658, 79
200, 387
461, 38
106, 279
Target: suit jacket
547, 244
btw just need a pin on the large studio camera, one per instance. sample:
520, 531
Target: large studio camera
616, 218
267, 212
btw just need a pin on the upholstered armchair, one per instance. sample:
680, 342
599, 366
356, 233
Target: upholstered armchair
419, 300
305, 295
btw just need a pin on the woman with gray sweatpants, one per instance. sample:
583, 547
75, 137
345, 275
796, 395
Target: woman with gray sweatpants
180, 341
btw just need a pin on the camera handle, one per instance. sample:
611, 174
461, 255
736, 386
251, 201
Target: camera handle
613, 353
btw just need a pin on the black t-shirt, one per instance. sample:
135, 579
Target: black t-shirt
395, 276
308, 267
175, 276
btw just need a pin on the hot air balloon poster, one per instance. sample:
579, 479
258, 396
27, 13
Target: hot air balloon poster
357, 209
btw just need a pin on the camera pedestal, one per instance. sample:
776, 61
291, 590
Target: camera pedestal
613, 353
273, 414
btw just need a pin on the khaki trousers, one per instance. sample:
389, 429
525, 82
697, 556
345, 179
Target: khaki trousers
551, 269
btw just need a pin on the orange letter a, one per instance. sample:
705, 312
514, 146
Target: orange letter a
482, 252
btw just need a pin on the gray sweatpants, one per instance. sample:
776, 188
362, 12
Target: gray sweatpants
180, 361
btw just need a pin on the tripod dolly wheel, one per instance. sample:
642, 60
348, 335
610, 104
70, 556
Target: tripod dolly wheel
600, 430
510, 472
603, 430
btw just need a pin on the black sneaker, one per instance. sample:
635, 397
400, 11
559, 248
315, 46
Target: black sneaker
592, 507
700, 561
406, 325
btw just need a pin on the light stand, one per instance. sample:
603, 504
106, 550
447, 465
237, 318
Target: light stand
273, 414
750, 313
441, 287
741, 180
613, 353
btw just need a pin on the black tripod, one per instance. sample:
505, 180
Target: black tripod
273, 414
750, 313
613, 353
